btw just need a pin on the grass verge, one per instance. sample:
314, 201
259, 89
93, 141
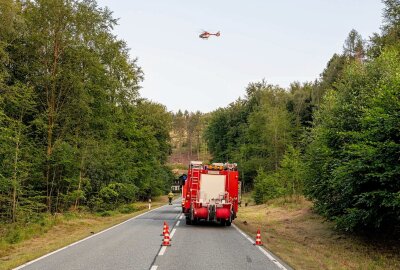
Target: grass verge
305, 240
23, 244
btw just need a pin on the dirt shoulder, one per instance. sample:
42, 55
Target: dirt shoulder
66, 230
305, 240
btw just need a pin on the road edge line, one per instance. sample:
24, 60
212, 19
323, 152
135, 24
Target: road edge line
84, 239
172, 233
162, 251
262, 249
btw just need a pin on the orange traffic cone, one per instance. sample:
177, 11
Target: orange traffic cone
165, 228
258, 239
166, 241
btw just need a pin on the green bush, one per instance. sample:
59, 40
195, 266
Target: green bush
106, 213
14, 236
109, 195
266, 187
287, 180
126, 209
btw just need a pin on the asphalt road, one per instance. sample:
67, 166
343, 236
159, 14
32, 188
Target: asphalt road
136, 244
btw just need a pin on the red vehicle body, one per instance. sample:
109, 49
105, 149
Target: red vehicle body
211, 193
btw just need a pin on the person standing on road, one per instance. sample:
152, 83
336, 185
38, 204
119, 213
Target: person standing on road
170, 197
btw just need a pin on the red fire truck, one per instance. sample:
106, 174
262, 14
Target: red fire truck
211, 193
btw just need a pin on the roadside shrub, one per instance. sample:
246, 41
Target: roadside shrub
109, 195
266, 187
126, 209
105, 213
14, 236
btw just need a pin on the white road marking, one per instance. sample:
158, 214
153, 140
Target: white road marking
162, 250
266, 253
154, 267
87, 238
172, 233
272, 258
242, 233
182, 215
177, 224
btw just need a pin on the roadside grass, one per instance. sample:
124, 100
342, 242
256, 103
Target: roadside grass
20, 244
305, 240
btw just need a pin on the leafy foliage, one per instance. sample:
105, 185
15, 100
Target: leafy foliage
256, 131
74, 131
356, 147
353, 156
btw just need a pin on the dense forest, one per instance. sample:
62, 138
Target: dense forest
74, 132
335, 140
187, 138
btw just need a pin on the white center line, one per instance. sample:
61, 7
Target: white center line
177, 224
181, 216
172, 233
154, 267
162, 251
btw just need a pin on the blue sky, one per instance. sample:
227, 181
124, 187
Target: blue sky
281, 41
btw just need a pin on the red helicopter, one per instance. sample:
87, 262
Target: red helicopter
206, 35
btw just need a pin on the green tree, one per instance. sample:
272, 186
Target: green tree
390, 35
292, 172
269, 129
267, 187
17, 106
353, 168
354, 46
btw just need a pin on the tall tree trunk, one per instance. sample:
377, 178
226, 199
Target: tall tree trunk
48, 155
180, 149
276, 142
198, 146
57, 200
191, 148
14, 179
51, 113
79, 183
